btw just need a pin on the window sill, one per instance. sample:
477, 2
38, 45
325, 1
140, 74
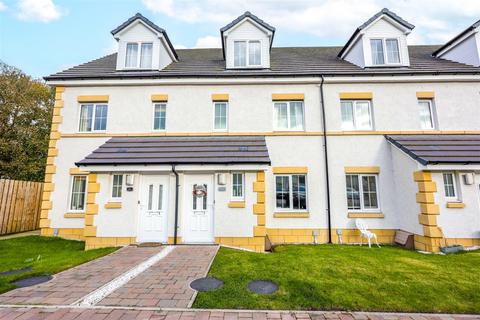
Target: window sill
456, 205
291, 215
113, 205
236, 204
366, 215
73, 215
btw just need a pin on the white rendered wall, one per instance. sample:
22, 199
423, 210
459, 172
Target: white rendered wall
353, 151
459, 223
406, 188
356, 54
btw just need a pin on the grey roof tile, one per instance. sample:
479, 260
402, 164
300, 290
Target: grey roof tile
438, 149
288, 61
180, 150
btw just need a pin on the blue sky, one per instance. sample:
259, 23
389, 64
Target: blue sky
45, 36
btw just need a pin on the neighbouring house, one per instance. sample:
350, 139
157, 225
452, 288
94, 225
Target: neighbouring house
231, 145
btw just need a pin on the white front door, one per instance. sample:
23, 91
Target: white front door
152, 224
198, 221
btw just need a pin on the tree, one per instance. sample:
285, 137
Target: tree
26, 107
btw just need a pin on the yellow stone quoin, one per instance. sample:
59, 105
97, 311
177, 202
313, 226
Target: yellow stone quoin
432, 237
50, 169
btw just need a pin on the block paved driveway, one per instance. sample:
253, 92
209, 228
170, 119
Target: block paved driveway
165, 284
123, 314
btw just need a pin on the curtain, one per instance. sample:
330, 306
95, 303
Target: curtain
146, 56
131, 56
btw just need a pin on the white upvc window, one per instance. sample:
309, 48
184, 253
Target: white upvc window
288, 115
362, 192
238, 185
117, 186
247, 53
291, 192
220, 118
385, 51
426, 114
93, 117
356, 115
135, 60
159, 116
78, 191
450, 186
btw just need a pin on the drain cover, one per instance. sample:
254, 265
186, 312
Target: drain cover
27, 282
15, 271
262, 286
206, 284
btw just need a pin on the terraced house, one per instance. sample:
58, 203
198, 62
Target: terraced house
251, 141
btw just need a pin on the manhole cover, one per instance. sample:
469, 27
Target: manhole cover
27, 282
15, 271
206, 284
262, 286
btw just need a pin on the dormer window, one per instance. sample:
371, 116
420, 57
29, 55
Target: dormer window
385, 51
380, 42
139, 61
247, 43
142, 45
242, 59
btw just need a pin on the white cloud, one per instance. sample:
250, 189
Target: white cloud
435, 20
3, 7
208, 42
38, 10
179, 46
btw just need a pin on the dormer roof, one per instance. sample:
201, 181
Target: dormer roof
239, 19
384, 12
455, 39
149, 24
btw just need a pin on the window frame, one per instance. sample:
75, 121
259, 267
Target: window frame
139, 55
289, 125
153, 116
112, 180
354, 105
385, 54
232, 197
70, 194
226, 115
247, 55
290, 192
360, 186
456, 196
94, 104
432, 113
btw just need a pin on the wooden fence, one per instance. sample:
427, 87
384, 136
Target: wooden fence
20, 203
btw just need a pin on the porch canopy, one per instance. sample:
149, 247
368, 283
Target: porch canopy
180, 150
439, 148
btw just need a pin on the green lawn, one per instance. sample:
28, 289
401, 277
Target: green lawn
44, 254
347, 278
